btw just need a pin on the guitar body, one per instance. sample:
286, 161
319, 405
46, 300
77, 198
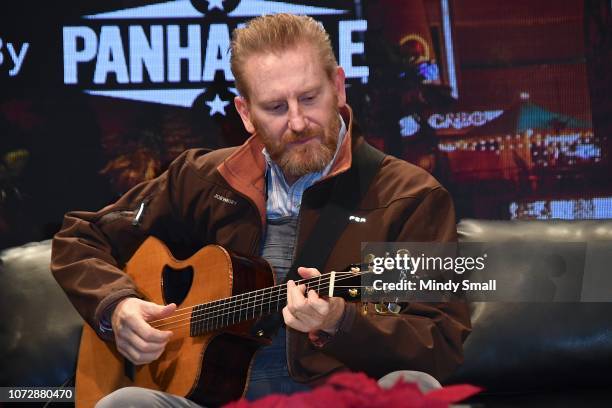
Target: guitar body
210, 369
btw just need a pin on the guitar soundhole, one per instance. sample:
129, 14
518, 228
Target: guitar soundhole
176, 283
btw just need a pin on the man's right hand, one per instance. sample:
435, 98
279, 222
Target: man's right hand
134, 337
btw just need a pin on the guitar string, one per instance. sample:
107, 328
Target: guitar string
219, 321
244, 296
199, 317
237, 305
254, 293
239, 300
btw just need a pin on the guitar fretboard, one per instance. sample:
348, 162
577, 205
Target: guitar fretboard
221, 313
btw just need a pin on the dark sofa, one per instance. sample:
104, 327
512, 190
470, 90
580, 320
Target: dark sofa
523, 354
541, 353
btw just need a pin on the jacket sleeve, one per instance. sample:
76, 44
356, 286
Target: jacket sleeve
90, 249
423, 336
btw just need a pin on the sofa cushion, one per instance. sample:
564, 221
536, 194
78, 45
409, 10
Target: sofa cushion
40, 330
518, 347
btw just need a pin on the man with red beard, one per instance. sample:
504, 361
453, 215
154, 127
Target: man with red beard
263, 198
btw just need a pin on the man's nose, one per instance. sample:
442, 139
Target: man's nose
296, 121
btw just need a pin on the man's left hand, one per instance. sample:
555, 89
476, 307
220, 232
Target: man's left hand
309, 312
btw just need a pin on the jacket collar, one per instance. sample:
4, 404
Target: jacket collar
239, 172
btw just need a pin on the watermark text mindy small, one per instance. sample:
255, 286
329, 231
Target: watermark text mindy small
434, 285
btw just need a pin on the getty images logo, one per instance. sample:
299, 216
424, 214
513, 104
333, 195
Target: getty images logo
175, 53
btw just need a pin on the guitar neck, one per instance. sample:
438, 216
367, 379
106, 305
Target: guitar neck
221, 313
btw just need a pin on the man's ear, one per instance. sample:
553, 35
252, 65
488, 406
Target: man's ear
242, 107
339, 83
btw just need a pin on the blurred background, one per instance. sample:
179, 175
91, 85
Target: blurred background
507, 103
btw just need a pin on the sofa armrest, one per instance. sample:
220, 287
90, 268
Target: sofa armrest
39, 328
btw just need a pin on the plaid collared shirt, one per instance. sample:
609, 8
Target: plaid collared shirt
285, 200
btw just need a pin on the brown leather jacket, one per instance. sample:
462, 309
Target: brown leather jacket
218, 197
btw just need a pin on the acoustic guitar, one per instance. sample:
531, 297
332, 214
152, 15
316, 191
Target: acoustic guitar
219, 296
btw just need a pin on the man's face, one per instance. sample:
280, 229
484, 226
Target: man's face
293, 107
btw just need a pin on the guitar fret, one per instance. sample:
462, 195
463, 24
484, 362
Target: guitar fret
234, 312
197, 312
236, 306
261, 303
218, 315
206, 317
240, 310
215, 316
244, 308
271, 292
204, 321
193, 321
225, 315
270, 303
254, 305
210, 317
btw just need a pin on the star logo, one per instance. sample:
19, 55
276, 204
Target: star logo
218, 4
217, 105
